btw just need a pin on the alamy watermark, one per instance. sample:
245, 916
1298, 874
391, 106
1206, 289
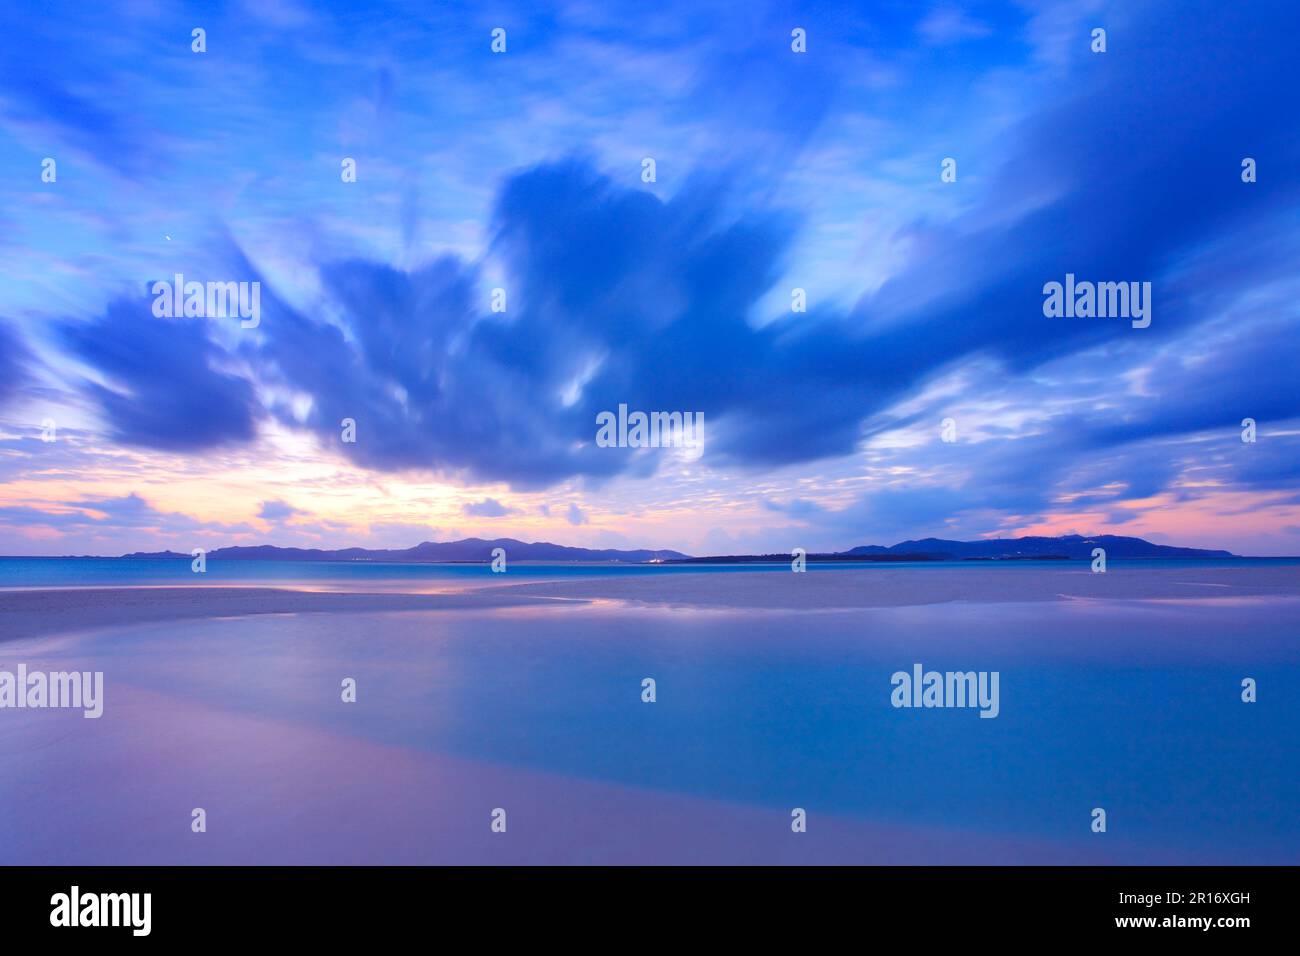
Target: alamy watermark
1102, 300
211, 300
922, 688
75, 908
649, 430
78, 690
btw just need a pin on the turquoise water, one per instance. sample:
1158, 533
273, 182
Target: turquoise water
1131, 706
364, 575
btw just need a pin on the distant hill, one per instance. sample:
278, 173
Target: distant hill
469, 549
1066, 546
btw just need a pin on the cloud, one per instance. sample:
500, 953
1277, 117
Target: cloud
616, 296
44, 109
946, 25
798, 508
277, 511
1122, 166
14, 358
164, 389
487, 508
123, 513
575, 515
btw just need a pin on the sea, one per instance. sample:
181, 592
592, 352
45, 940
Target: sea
524, 734
42, 572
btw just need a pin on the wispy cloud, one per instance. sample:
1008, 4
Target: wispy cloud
776, 170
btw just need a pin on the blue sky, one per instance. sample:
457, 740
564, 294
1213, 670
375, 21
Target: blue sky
522, 170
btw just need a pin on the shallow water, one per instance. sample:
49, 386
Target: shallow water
382, 576
1130, 706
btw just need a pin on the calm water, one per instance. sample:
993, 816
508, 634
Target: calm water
365, 575
1130, 706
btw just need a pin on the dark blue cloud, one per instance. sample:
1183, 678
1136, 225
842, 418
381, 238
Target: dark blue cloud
165, 389
1141, 148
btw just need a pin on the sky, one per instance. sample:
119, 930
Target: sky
525, 171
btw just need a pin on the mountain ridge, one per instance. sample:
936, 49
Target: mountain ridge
466, 549
1068, 546
1060, 547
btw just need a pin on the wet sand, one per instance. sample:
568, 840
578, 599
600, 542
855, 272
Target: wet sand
70, 610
